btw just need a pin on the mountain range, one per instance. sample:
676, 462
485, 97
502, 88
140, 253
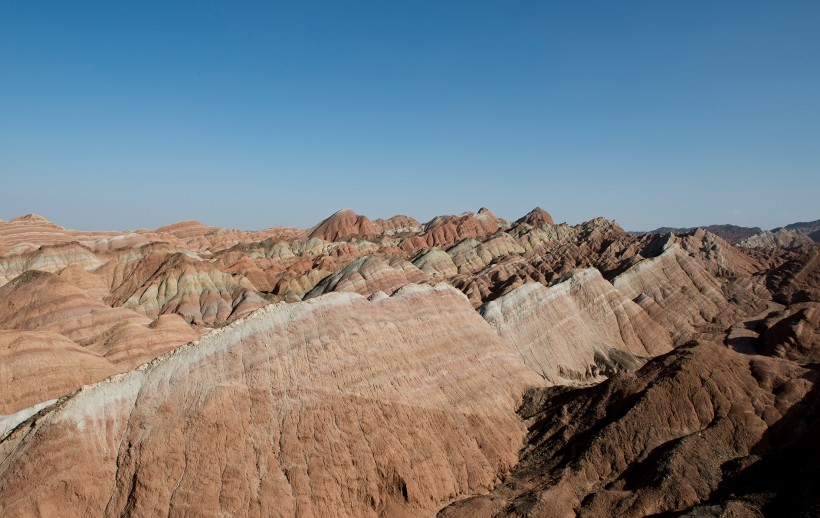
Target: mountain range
464, 366
735, 234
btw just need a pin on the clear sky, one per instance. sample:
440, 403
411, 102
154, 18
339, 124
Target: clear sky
118, 114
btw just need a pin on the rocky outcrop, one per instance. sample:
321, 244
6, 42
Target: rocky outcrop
447, 230
714, 254
97, 340
31, 229
27, 233
810, 228
797, 279
185, 229
94, 285
470, 255
202, 238
202, 370
128, 345
436, 263
731, 233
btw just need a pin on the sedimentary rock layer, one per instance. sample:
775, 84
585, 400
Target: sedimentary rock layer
578, 330
335, 406
39, 366
344, 223
677, 292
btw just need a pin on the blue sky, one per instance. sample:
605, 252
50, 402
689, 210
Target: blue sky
254, 114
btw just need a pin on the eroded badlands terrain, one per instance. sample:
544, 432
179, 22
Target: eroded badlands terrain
466, 366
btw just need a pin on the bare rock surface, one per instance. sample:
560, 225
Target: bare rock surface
437, 263
94, 285
447, 230
731, 233
398, 225
194, 289
336, 406
367, 275
185, 229
577, 331
792, 334
780, 238
690, 431
96, 340
199, 370
343, 224
39, 366
537, 217
715, 255
47, 258
34, 230
44, 301
797, 279
677, 292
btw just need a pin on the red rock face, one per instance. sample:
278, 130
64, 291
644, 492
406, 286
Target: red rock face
344, 223
43, 301
40, 366
447, 230
537, 217
185, 229
375, 367
397, 415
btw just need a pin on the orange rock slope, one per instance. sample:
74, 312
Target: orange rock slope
395, 406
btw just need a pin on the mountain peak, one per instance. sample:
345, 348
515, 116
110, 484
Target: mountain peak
537, 217
342, 224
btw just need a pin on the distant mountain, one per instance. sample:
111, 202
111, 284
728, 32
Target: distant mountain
810, 228
735, 234
731, 233
790, 236
806, 227
779, 238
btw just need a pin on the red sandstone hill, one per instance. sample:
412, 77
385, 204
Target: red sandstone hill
536, 217
343, 224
